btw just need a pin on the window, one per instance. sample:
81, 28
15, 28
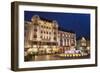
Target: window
47, 27
42, 26
63, 34
41, 37
35, 36
66, 35
55, 33
54, 28
35, 24
49, 38
67, 40
49, 32
55, 38
35, 29
61, 42
41, 31
44, 31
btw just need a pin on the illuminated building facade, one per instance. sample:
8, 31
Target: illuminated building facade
42, 36
83, 44
67, 40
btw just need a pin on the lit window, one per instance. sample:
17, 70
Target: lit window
66, 35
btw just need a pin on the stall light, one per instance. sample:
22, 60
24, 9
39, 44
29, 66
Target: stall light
73, 55
29, 51
34, 45
45, 46
34, 50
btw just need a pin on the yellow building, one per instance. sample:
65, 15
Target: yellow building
43, 37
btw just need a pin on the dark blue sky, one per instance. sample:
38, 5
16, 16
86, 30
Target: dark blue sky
79, 23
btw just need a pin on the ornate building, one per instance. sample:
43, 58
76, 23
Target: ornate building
83, 45
42, 36
66, 40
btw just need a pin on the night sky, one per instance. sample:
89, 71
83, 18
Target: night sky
79, 23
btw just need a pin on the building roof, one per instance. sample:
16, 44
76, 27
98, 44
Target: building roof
45, 19
42, 18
